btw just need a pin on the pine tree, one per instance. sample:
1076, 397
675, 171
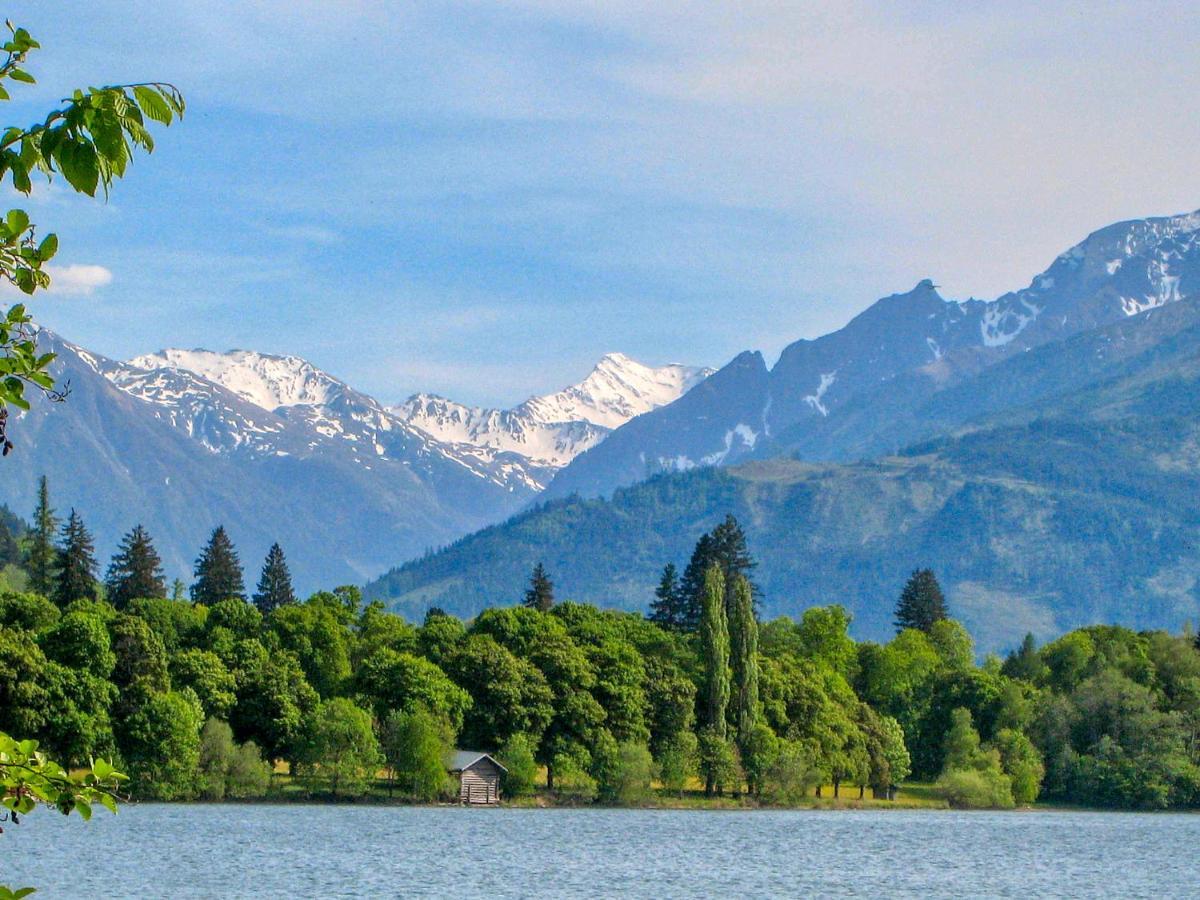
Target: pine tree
726, 546
76, 563
135, 571
540, 595
743, 652
275, 584
40, 555
921, 602
691, 588
667, 608
218, 571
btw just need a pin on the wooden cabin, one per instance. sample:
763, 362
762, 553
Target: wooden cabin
478, 777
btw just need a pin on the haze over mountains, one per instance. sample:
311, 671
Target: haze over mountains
1055, 485
1039, 450
277, 449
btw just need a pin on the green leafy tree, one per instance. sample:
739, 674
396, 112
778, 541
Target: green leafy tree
273, 700
41, 556
1022, 763
743, 639
714, 648
275, 583
218, 571
203, 672
717, 762
161, 746
88, 141
627, 781
517, 757
76, 563
824, 634
511, 695
921, 602
340, 743
677, 761
391, 680
30, 612
135, 571
416, 744
758, 747
540, 595
311, 630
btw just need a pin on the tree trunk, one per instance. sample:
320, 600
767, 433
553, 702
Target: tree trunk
837, 785
862, 791
708, 785
817, 793
550, 777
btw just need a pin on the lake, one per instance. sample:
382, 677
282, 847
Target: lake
159, 850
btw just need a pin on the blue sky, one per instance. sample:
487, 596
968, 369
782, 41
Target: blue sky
480, 199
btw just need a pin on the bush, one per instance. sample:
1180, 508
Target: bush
416, 743
249, 775
790, 776
228, 769
517, 757
625, 779
677, 761
976, 789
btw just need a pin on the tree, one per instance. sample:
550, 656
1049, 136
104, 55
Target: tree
218, 571
415, 745
626, 780
732, 554
667, 609
76, 563
1022, 763
89, 141
516, 755
743, 639
341, 744
511, 695
540, 595
161, 746
677, 761
921, 602
28, 776
391, 680
135, 571
714, 648
40, 553
275, 583
691, 588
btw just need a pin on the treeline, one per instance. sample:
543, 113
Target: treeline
202, 696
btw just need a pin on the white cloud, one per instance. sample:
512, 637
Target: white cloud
78, 279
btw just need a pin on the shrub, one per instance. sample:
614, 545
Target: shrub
517, 757
976, 789
677, 761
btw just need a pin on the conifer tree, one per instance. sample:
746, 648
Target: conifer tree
691, 588
714, 649
726, 546
275, 584
76, 563
135, 571
218, 571
743, 651
921, 602
666, 609
540, 595
40, 556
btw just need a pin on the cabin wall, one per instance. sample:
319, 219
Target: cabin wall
480, 783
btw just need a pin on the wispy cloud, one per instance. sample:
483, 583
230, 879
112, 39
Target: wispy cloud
78, 279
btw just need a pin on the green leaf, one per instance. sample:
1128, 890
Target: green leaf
17, 221
153, 104
77, 160
22, 76
48, 247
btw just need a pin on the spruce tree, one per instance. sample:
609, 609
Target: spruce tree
743, 652
275, 584
135, 571
76, 563
921, 602
730, 550
40, 555
666, 609
540, 595
218, 571
691, 588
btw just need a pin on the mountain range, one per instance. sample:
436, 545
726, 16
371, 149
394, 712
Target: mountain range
279, 450
1039, 450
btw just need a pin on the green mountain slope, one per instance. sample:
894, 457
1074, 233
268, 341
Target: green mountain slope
1082, 506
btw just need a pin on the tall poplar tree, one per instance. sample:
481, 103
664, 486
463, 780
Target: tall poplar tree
540, 595
275, 583
921, 602
714, 650
135, 571
41, 555
218, 571
76, 563
743, 653
666, 609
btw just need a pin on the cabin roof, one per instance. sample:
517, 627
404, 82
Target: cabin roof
461, 760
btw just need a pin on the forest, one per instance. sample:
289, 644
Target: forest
211, 691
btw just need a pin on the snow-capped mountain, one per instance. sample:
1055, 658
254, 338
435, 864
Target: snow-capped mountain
549, 431
858, 390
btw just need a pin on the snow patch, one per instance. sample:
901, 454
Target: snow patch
816, 400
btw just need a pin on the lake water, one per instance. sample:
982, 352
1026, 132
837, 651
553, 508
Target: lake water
181, 851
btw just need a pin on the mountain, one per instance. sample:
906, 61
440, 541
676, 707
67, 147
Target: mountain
547, 432
846, 395
1080, 506
277, 449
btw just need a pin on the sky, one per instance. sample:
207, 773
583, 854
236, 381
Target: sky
481, 199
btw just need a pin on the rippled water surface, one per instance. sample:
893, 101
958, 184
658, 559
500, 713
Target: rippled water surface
338, 851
